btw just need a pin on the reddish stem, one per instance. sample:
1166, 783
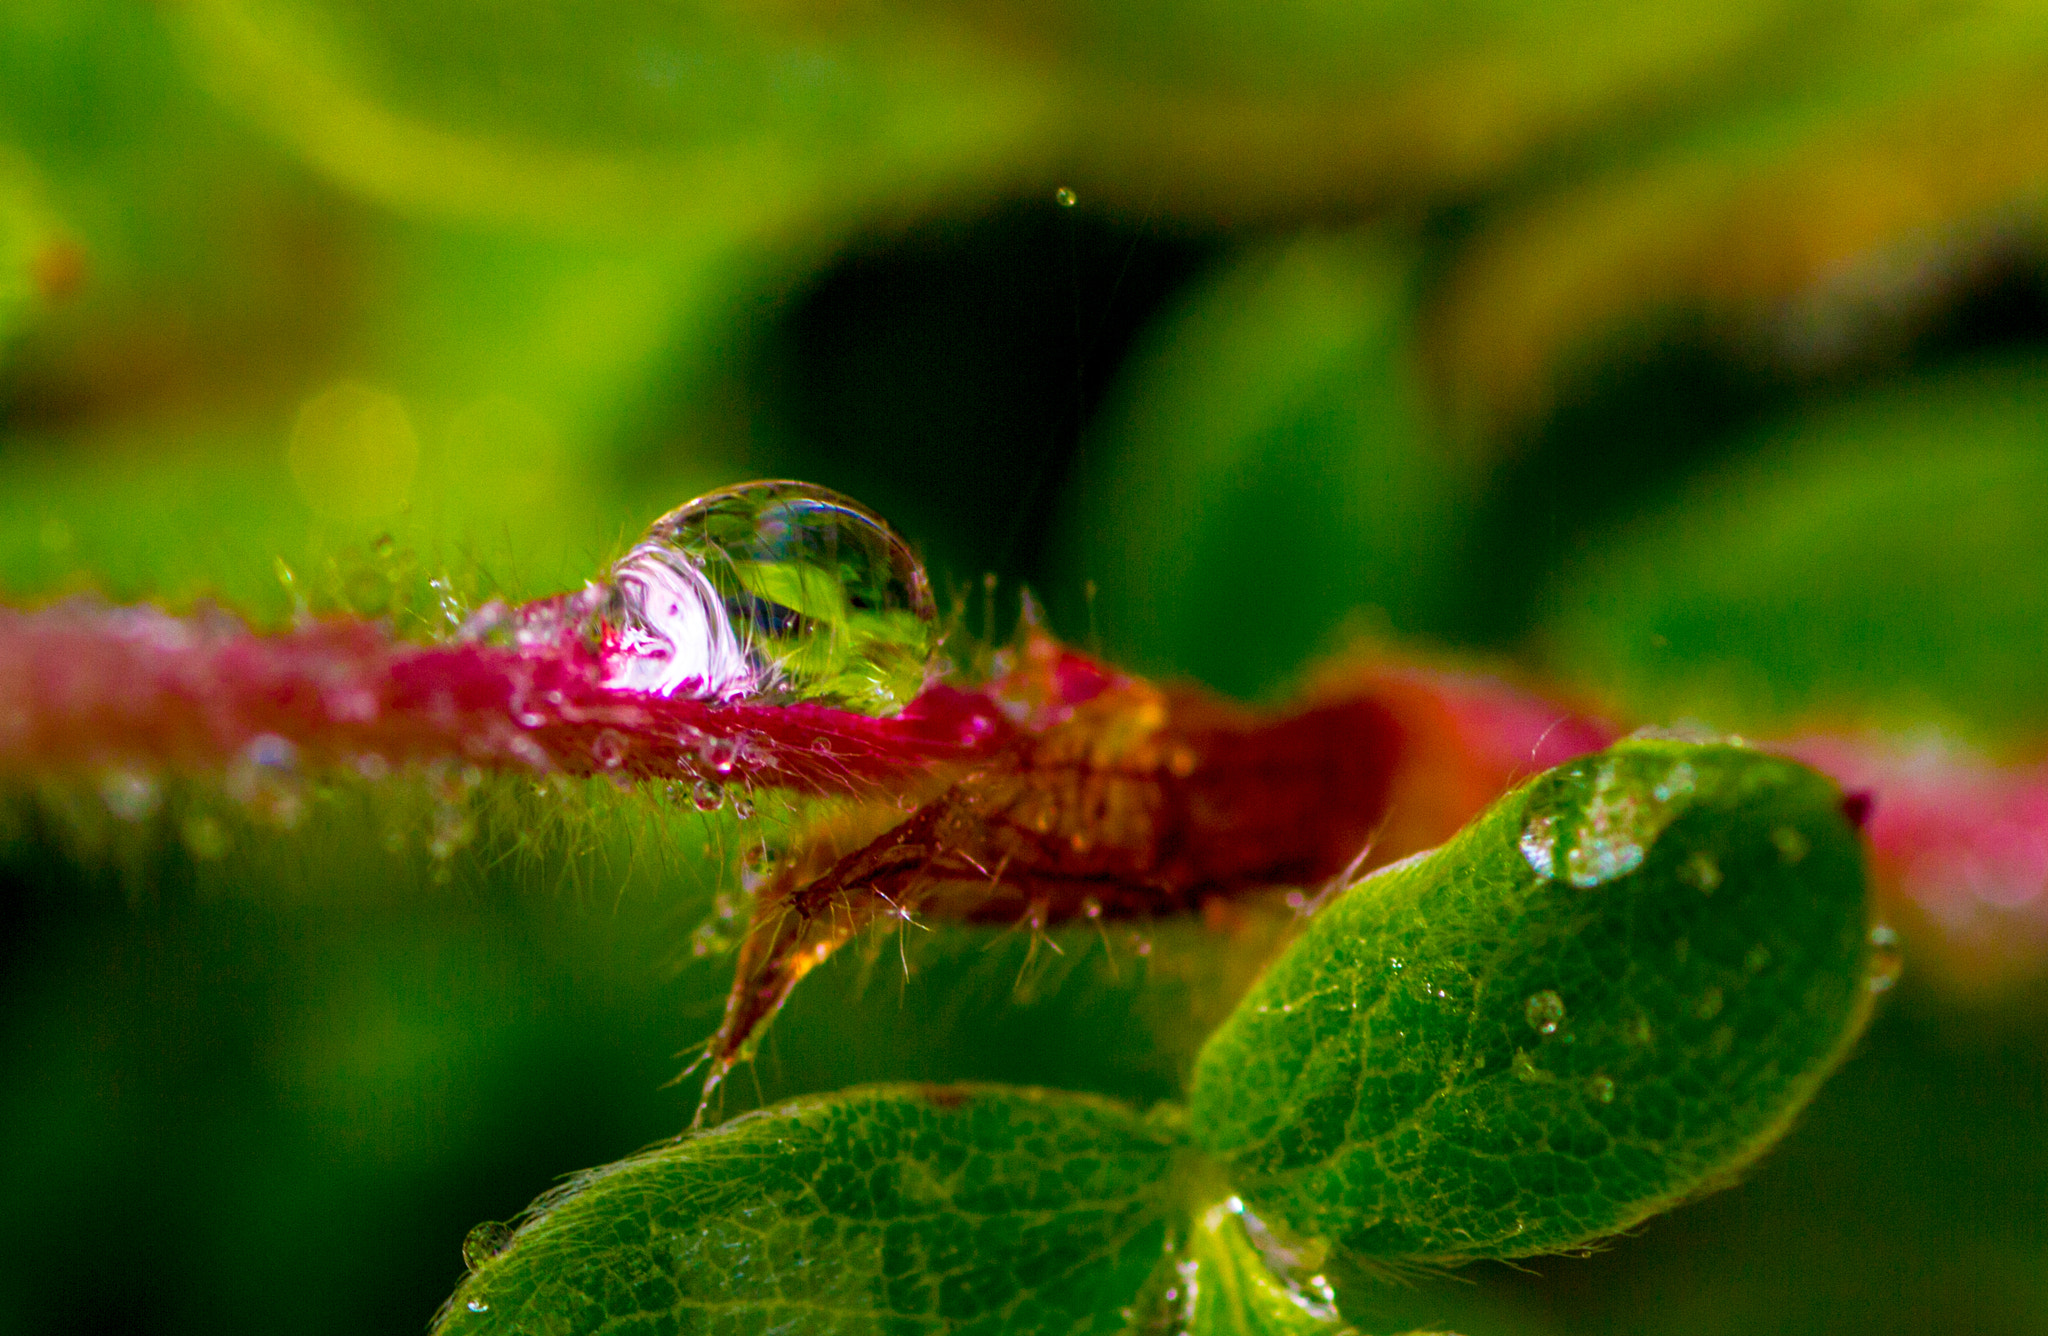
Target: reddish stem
85, 687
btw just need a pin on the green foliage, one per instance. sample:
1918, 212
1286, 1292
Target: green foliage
1606, 994
890, 1208
1548, 331
1842, 561
1289, 374
1408, 1081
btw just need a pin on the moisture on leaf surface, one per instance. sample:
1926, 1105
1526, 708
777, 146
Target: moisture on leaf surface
1561, 1022
880, 1209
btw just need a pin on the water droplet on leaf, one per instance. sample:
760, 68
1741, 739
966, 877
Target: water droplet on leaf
478, 1306
484, 1242
1886, 959
1608, 841
1701, 872
1065, 197
706, 796
1544, 1011
1602, 1088
1539, 844
777, 592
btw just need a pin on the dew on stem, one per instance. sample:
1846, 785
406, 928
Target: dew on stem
773, 592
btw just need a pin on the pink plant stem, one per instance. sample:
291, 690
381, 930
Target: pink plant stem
88, 688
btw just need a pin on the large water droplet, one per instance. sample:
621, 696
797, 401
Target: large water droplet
484, 1242
1544, 1011
1886, 959
777, 592
1620, 810
1611, 833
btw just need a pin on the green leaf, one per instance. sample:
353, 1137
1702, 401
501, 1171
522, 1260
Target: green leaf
1880, 557
30, 242
1606, 995
692, 120
884, 1209
1855, 172
1267, 471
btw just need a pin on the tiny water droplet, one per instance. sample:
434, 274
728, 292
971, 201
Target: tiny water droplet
131, 795
608, 749
478, 1306
264, 779
452, 828
1886, 959
1539, 844
706, 796
1065, 197
1677, 782
484, 1242
777, 592
1792, 844
742, 808
1544, 1011
1602, 1088
1709, 1005
1701, 872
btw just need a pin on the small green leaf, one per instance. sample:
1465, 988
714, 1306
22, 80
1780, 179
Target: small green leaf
884, 1209
1606, 995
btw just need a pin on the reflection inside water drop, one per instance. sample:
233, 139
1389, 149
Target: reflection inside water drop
1539, 844
484, 1242
777, 592
1619, 815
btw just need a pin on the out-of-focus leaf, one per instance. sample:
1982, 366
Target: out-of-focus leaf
1223, 109
1885, 560
203, 264
1606, 995
510, 369
733, 120
38, 264
941, 1208
708, 120
1267, 471
1859, 174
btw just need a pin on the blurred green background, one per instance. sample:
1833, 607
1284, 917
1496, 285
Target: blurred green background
1693, 354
